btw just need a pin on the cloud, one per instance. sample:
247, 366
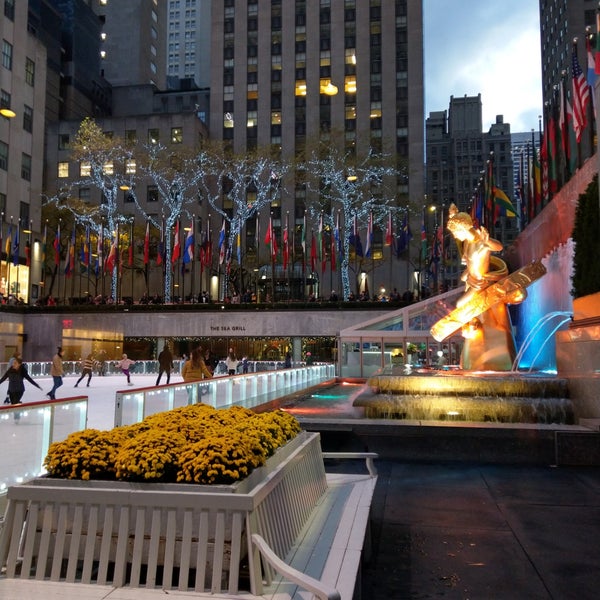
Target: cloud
488, 48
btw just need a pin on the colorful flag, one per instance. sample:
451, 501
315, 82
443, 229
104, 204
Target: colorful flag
239, 247
111, 259
188, 251
581, 96
8, 242
27, 253
176, 244
70, 257
100, 252
147, 244
389, 237
401, 240
286, 247
502, 200
57, 246
369, 241
313, 252
271, 239
221, 243
15, 247
355, 239
591, 72
303, 242
85, 249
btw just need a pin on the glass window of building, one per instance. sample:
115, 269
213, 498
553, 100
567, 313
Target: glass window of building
176, 135
131, 136
152, 193
4, 99
9, 9
27, 118
130, 166
64, 140
26, 167
63, 169
7, 55
85, 169
29, 72
153, 136
108, 168
3, 156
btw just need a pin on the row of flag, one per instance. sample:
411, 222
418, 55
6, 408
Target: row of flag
324, 246
12, 244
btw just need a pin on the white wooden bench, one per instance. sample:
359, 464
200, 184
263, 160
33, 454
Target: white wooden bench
298, 529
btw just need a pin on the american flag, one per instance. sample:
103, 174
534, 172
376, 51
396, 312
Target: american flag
581, 96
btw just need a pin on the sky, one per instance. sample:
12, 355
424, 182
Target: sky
489, 47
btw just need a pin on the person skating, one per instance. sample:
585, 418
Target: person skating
56, 371
125, 364
16, 375
88, 365
165, 364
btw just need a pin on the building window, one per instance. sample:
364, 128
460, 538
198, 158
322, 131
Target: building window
131, 136
2, 206
7, 55
63, 169
108, 168
152, 193
84, 194
27, 118
64, 141
3, 156
29, 72
4, 99
85, 169
24, 214
26, 167
130, 166
9, 9
176, 135
153, 136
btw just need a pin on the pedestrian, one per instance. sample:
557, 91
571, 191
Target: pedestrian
288, 361
56, 371
245, 364
232, 362
309, 359
165, 364
16, 374
88, 365
16, 354
125, 364
195, 368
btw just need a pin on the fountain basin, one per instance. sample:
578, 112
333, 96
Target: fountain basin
466, 396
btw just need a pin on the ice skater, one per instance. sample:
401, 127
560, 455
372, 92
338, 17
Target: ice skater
125, 364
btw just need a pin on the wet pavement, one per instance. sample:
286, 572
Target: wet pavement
455, 529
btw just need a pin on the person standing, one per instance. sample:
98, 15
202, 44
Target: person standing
16, 375
232, 362
125, 364
165, 364
56, 371
288, 361
195, 368
88, 365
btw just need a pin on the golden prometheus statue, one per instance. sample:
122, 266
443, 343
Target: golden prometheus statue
482, 311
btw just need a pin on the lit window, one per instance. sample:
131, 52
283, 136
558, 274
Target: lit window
301, 88
153, 136
108, 168
85, 169
130, 166
63, 169
176, 135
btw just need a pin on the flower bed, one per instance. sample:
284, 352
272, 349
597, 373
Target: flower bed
194, 444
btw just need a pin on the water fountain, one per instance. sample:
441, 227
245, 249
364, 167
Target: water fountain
489, 387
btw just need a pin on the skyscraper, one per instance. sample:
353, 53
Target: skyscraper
285, 75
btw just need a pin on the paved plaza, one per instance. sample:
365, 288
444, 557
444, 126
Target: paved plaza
452, 529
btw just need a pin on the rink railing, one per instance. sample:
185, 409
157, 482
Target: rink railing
249, 391
27, 430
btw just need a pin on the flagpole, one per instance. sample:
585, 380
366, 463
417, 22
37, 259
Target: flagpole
72, 266
131, 255
9, 258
